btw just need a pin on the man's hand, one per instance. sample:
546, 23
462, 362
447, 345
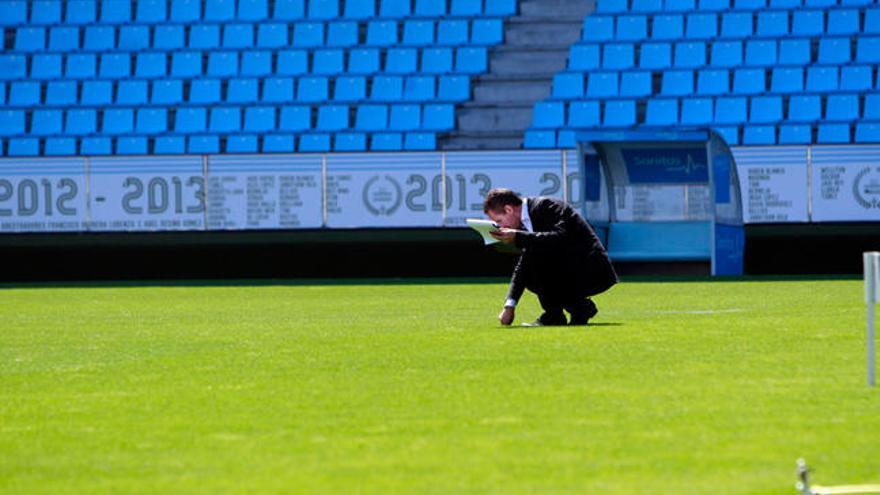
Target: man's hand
507, 236
507, 315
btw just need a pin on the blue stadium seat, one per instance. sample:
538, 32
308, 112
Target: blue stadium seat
714, 4
568, 85
730, 134
190, 120
471, 60
363, 61
223, 64
253, 10
328, 61
737, 25
115, 66
647, 6
95, 146
805, 108
186, 64
418, 32
787, 80
292, 63
203, 144
760, 52
662, 112
713, 82
655, 56
63, 39
360, 10
856, 78
602, 84
678, 83
46, 12
314, 143
278, 89
279, 143
583, 114
151, 11
401, 61
295, 119
243, 91
342, 34
24, 147
548, 115
749, 81
80, 122
727, 54
24, 94
382, 33
419, 88
134, 38
387, 88
620, 113
872, 21
225, 120
149, 65
151, 121
635, 84
97, 93
60, 146
690, 55
842, 107
129, 92
452, 32
405, 118
333, 118
420, 141
856, 3
259, 119
618, 56
13, 66
680, 5
632, 27
466, 8
323, 9
60, 93
611, 6
701, 26
99, 38
291, 10
834, 51
822, 79
350, 88
872, 106
794, 51
795, 134
668, 27
118, 121
454, 88
205, 91
395, 9
598, 28
308, 34
772, 23
868, 132
585, 57
436, 60
834, 134
11, 122
115, 12
429, 8
30, 39
238, 35
499, 8
820, 3
242, 144
730, 110
371, 118
3, 93
566, 139
272, 35
46, 66
765, 109
14, 13
868, 50
169, 37
487, 32
312, 89
438, 117
697, 111
539, 139
47, 122
186, 11
350, 141
759, 135
808, 23
386, 142
843, 22
256, 63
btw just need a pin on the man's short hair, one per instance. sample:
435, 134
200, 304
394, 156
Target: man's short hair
500, 197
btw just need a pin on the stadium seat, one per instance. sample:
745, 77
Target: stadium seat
13, 66
843, 107
395, 9
292, 63
225, 120
761, 53
135, 38
436, 60
115, 66
583, 114
807, 23
620, 113
11, 122
696, 111
256, 63
565, 139
856, 78
765, 109
242, 144
868, 50
548, 115
662, 112
382, 33
203, 144
81, 66
204, 36
328, 62
655, 56
95, 146
680, 5
419, 88
151, 121
822, 79
438, 117
186, 11
834, 51
611, 6
24, 94
118, 121
259, 119
730, 110
115, 12
350, 141
238, 36
81, 12
726, 54
805, 108
678, 83
46, 12
363, 61
291, 10
371, 118
312, 89
420, 141
452, 32
794, 52
14, 13
333, 118
701, 26
784, 4
63, 39
272, 35
80, 122
24, 147
131, 93
151, 11
431, 8
342, 34
568, 85
729, 134
168, 37
598, 28
487, 32
205, 91
278, 89
737, 25
186, 64
787, 80
647, 6
60, 93
872, 21
99, 38
454, 88
314, 143
713, 82
308, 34
278, 143
466, 8
585, 57
386, 142
872, 107
714, 4
243, 91
602, 84
820, 3
668, 27
795, 134
169, 145
223, 64
323, 9
471, 60
295, 119
150, 65
635, 84
618, 56
844, 21
834, 134
401, 61
772, 23
360, 10
350, 88
47, 122
97, 93
387, 88
405, 118
759, 135
46, 66
253, 10
539, 139
690, 55
418, 32
190, 120
749, 81
632, 27
868, 132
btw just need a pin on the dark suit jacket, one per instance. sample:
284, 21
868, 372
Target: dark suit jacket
561, 256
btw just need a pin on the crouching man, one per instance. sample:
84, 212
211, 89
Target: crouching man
561, 261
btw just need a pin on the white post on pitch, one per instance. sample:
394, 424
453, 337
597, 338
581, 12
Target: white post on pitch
872, 297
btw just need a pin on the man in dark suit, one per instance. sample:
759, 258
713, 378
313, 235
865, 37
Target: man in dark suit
562, 260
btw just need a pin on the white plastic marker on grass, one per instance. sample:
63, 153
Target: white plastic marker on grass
872, 297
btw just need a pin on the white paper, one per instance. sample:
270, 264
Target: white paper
483, 227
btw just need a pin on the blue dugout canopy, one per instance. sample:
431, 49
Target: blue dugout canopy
664, 196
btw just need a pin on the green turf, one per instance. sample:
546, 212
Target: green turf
681, 387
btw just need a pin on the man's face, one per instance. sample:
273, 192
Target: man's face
507, 217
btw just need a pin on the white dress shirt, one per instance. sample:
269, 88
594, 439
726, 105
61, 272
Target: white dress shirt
527, 226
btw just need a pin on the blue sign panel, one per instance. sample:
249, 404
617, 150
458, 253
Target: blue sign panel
730, 243
592, 178
666, 165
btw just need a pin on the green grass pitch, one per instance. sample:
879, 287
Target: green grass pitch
396, 388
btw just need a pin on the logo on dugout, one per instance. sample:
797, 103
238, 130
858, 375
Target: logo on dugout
382, 195
866, 188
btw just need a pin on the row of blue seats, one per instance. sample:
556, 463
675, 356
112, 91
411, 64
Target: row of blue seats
770, 24
198, 120
153, 65
209, 144
818, 79
77, 12
28, 94
752, 135
706, 111
648, 6
758, 53
451, 32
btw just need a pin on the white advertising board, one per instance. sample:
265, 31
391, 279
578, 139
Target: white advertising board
846, 183
773, 182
